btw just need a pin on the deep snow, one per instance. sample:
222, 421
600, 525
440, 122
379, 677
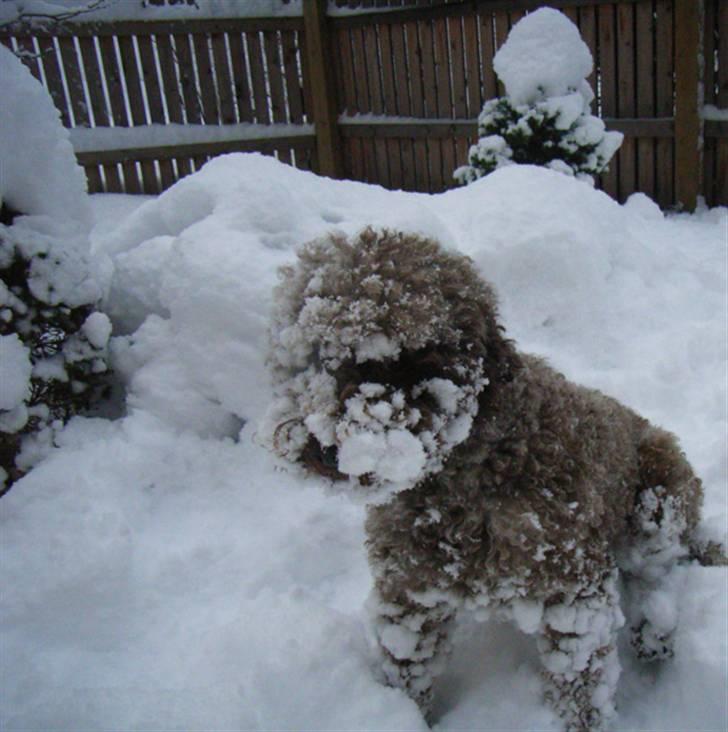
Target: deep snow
163, 571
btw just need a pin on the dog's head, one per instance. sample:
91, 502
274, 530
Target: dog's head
384, 346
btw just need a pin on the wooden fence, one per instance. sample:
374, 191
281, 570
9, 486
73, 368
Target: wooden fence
386, 95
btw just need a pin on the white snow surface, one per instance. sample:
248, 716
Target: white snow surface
164, 571
543, 56
38, 170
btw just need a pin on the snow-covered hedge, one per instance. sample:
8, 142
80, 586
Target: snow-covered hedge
52, 341
545, 117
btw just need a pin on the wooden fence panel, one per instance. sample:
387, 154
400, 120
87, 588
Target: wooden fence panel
428, 60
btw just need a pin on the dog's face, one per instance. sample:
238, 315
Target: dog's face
381, 348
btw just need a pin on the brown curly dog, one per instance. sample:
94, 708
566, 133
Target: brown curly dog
494, 483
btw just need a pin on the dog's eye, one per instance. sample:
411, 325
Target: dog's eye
330, 457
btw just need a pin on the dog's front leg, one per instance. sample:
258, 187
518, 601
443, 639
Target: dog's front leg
578, 651
413, 639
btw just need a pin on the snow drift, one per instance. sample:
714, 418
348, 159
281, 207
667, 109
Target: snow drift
161, 571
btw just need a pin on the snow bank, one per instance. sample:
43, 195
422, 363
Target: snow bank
157, 576
38, 170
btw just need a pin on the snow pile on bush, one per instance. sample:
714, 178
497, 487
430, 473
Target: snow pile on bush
545, 118
53, 340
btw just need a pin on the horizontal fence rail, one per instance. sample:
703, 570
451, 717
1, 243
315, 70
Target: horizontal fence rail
383, 91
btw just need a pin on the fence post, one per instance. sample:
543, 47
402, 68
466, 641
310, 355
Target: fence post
688, 15
323, 90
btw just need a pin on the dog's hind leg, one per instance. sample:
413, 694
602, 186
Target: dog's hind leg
414, 641
664, 517
578, 651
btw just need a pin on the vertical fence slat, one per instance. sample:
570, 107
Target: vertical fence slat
664, 100
293, 83
222, 74
414, 65
387, 67
399, 62
205, 79
608, 66
645, 95
371, 61
240, 78
185, 69
427, 57
257, 74
487, 48
132, 78
170, 84
150, 80
92, 72
457, 63
74, 82
472, 66
626, 100
28, 54
52, 71
721, 162
275, 77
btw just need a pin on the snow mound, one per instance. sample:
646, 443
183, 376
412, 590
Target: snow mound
38, 170
544, 56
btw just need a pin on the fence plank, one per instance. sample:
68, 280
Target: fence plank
150, 80
52, 71
28, 53
626, 97
399, 61
294, 89
205, 79
472, 66
608, 64
442, 68
239, 64
664, 101
457, 67
257, 74
429, 83
132, 183
112, 178
687, 115
72, 71
225, 89
131, 78
487, 44
275, 77
371, 71
414, 65
92, 71
170, 83
387, 69
645, 106
363, 104
185, 70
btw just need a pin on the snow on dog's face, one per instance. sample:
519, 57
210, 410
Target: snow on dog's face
381, 347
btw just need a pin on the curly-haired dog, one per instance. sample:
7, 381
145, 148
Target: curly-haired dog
495, 483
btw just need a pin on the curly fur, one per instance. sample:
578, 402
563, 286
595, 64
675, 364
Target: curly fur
532, 494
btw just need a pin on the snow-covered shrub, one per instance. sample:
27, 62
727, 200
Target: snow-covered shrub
52, 341
545, 117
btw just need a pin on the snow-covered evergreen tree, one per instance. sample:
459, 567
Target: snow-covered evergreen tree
52, 341
545, 117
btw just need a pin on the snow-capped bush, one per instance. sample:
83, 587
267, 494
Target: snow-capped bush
52, 342
545, 117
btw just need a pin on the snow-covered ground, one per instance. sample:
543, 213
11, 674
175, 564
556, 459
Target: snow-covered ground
161, 571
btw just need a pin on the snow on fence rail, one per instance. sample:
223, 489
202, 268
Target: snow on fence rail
384, 91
